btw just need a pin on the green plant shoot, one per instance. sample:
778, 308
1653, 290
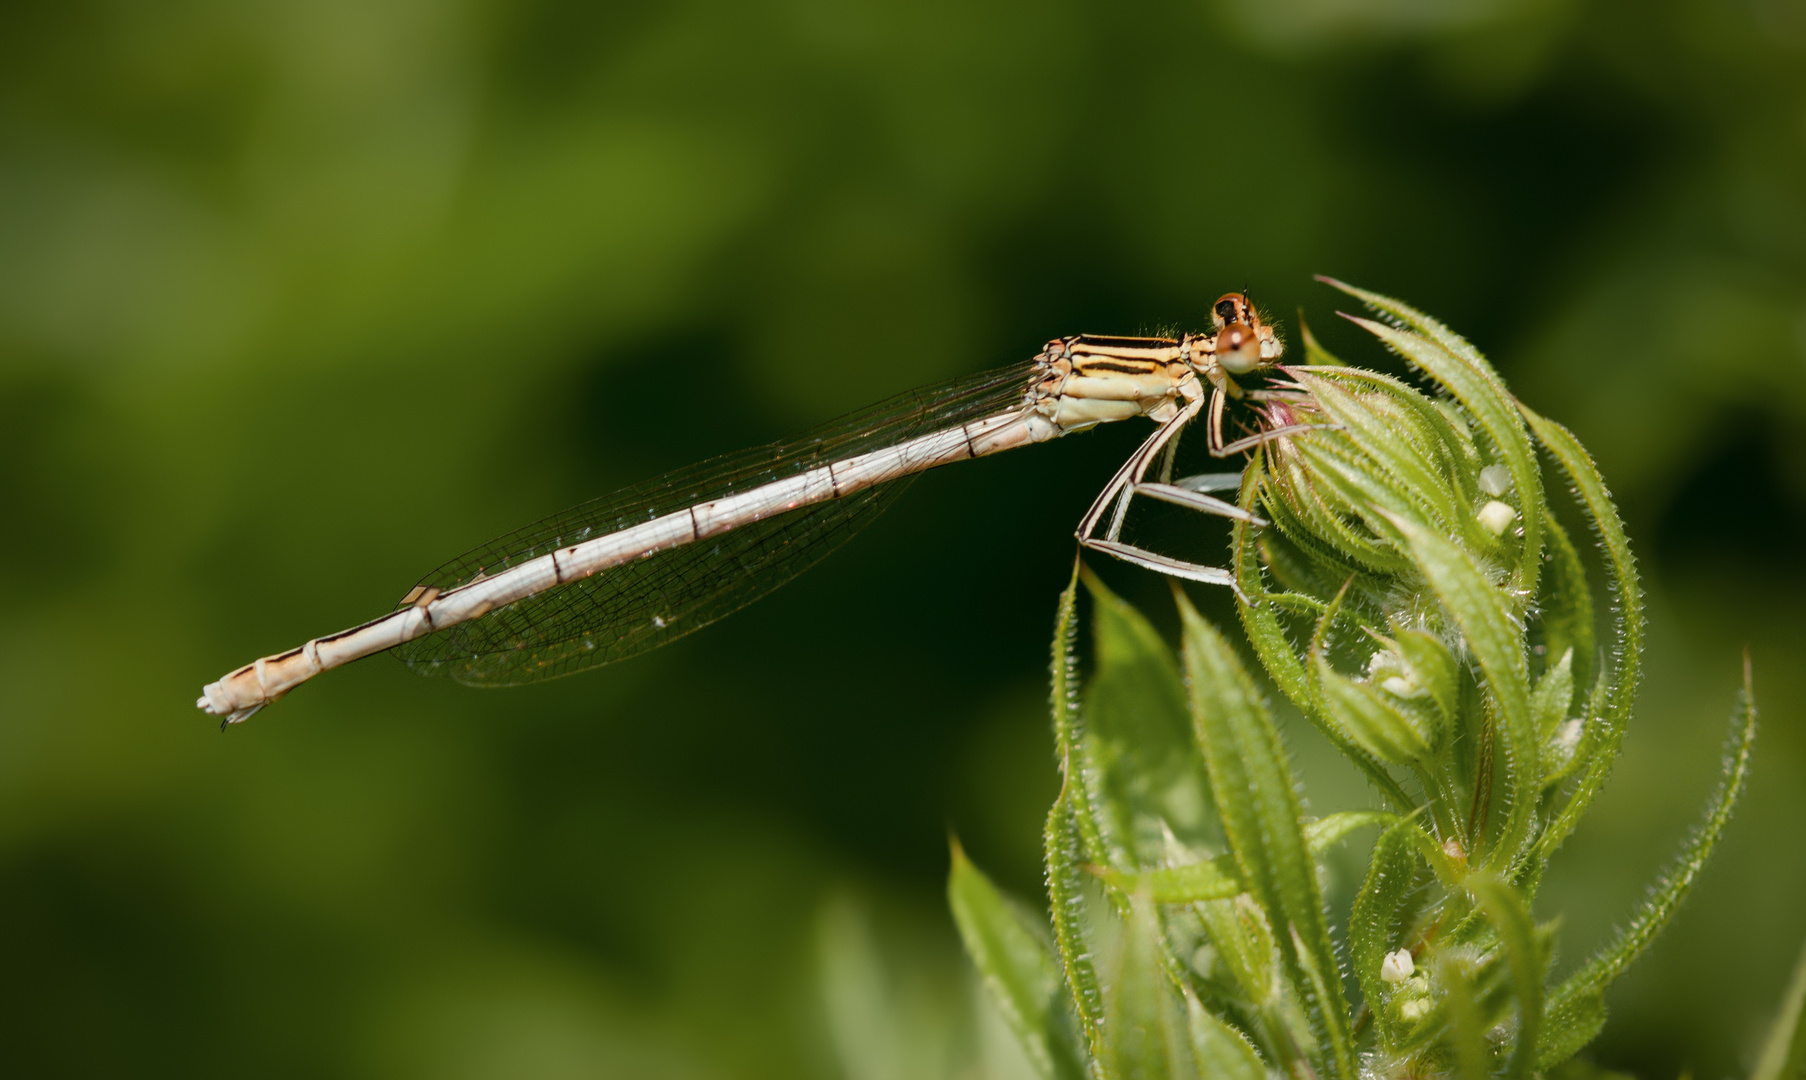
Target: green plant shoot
1410, 591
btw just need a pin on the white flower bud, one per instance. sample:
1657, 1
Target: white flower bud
1414, 1009
1567, 736
1495, 480
1496, 517
1397, 966
1403, 686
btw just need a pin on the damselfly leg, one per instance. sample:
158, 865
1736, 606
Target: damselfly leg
1128, 482
1242, 345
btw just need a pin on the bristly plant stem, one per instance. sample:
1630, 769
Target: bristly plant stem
1417, 601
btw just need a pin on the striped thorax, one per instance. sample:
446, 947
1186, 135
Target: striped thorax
1090, 379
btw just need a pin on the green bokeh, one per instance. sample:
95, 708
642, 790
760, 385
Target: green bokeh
299, 299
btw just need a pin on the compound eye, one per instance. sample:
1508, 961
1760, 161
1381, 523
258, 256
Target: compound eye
1238, 349
1229, 310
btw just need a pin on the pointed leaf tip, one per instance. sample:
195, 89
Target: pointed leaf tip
1659, 906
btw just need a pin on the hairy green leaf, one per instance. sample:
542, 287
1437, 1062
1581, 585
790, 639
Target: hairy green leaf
1317, 499
1151, 779
1147, 1036
1465, 374
1486, 623
1244, 944
1066, 883
1495, 413
1377, 724
1671, 887
1220, 1050
1434, 668
1457, 460
1331, 829
1619, 690
1569, 1024
1331, 490
1220, 878
1083, 778
1391, 877
1553, 696
1404, 458
1506, 908
1260, 620
1466, 1021
1567, 607
1324, 979
1022, 974
1257, 805
1212, 879
1246, 947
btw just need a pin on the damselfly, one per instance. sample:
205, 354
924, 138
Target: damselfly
626, 573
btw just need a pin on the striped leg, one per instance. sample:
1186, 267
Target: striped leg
1160, 564
1259, 437
1218, 401
1121, 486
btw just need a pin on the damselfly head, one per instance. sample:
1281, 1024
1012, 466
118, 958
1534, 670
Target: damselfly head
1232, 308
1244, 343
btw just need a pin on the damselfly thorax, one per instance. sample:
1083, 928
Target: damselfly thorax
1091, 379
618, 575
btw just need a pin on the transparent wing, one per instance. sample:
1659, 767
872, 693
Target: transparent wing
641, 605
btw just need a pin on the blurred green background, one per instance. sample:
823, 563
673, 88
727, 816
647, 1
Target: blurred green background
299, 299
